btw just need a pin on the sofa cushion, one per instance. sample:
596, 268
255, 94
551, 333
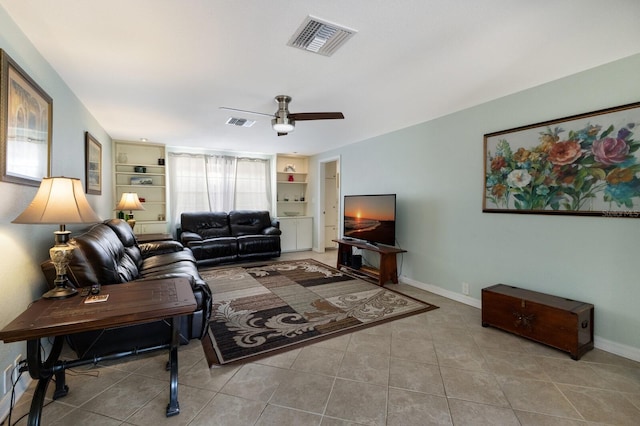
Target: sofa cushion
154, 248
162, 263
206, 224
255, 246
99, 257
222, 249
128, 239
248, 222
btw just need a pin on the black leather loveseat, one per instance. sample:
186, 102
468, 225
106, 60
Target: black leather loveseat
108, 253
219, 237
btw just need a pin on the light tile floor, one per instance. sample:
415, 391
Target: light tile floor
441, 367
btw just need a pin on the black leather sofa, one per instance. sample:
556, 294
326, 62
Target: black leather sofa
108, 253
220, 237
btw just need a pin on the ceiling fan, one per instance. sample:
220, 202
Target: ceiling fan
284, 122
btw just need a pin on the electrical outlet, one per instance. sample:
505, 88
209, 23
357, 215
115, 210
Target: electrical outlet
465, 289
6, 380
16, 371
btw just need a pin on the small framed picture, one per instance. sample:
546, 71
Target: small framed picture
93, 164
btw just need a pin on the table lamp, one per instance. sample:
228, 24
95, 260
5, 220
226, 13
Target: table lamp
130, 201
59, 200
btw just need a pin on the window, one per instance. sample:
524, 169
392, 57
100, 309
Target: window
252, 178
200, 182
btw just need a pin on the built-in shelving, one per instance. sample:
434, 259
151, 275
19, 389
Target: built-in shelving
291, 183
292, 202
149, 184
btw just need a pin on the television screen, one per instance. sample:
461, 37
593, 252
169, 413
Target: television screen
371, 218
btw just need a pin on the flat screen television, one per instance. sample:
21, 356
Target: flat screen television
371, 218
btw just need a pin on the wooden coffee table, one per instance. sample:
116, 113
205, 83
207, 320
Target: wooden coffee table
127, 304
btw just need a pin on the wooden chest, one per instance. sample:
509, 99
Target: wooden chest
562, 323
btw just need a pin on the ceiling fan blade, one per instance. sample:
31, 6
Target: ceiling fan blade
301, 116
248, 112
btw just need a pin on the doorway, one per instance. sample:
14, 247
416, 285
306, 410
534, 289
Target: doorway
329, 224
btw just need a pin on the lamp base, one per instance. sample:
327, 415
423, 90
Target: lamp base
61, 255
131, 221
62, 291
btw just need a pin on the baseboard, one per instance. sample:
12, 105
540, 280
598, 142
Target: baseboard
615, 348
5, 402
467, 300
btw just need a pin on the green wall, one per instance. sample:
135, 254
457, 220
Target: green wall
23, 247
436, 168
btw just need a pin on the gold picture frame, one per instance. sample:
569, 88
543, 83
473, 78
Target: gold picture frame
93, 165
26, 120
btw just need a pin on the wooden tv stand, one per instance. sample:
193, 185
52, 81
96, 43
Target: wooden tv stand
388, 265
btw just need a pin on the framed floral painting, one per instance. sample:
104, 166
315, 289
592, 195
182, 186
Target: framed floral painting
585, 164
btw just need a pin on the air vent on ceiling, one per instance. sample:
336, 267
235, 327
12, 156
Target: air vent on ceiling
321, 37
240, 122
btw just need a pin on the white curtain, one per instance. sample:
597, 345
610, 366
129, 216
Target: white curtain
252, 179
201, 182
220, 182
187, 185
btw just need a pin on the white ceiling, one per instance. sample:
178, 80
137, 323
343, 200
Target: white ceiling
160, 69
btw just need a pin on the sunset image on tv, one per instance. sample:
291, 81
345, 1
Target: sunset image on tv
370, 218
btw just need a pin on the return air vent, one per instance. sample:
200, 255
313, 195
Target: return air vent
240, 122
321, 37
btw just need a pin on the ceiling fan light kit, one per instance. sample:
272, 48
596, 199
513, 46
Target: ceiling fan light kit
283, 122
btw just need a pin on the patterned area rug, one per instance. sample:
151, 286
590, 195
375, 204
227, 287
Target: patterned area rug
259, 309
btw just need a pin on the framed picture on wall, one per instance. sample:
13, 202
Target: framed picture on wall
93, 164
587, 164
26, 113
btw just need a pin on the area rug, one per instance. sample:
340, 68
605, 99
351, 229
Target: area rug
260, 309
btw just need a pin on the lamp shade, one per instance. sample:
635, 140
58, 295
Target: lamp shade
129, 201
59, 200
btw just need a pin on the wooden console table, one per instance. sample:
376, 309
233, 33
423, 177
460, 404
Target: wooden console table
128, 304
388, 270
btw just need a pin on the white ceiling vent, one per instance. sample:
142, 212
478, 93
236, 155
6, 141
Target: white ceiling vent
317, 36
240, 122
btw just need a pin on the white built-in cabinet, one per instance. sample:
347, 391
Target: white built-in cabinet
292, 200
297, 233
140, 168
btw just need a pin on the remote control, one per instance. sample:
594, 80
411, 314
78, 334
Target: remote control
84, 291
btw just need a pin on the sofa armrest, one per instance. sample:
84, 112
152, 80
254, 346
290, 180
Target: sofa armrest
186, 237
272, 230
275, 223
155, 248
